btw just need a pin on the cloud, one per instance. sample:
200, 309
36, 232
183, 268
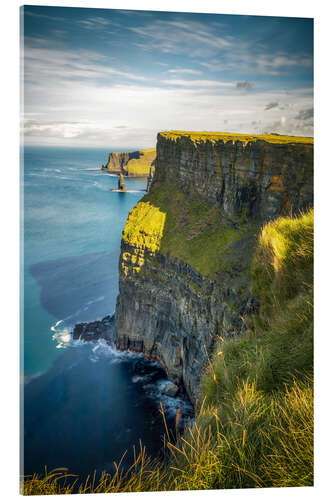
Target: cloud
241, 58
43, 65
43, 16
146, 110
82, 97
305, 114
271, 105
199, 83
58, 129
185, 71
93, 23
244, 85
193, 38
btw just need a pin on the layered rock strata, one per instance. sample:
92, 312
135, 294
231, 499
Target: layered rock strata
258, 179
187, 247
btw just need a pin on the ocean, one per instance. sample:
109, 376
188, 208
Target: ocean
84, 403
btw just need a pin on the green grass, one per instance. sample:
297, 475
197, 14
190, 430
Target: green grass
254, 426
194, 232
283, 266
226, 137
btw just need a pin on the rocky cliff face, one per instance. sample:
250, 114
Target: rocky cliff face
117, 161
255, 178
133, 164
187, 246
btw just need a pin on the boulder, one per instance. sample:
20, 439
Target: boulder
170, 389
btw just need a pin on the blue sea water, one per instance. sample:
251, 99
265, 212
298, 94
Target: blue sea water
84, 403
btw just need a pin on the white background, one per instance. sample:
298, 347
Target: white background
9, 236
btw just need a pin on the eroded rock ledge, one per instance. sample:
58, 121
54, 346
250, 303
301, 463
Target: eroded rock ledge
99, 329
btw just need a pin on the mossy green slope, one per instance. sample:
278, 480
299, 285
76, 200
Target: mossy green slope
192, 231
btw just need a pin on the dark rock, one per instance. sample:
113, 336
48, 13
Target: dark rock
170, 389
258, 180
103, 329
121, 183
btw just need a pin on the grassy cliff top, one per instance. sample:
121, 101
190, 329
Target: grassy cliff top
149, 150
244, 138
141, 166
138, 163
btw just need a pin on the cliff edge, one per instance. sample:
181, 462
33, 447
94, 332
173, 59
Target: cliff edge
132, 164
187, 247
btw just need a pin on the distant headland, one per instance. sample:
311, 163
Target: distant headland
132, 164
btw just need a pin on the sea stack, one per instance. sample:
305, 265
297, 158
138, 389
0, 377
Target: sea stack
121, 183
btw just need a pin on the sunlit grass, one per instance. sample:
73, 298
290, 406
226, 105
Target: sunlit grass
141, 166
144, 226
226, 137
194, 232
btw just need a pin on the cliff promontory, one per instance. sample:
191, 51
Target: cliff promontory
133, 164
188, 245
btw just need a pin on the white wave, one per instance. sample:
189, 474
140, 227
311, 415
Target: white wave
141, 378
99, 299
62, 336
54, 327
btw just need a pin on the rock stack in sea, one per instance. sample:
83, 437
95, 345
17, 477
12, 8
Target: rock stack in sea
121, 183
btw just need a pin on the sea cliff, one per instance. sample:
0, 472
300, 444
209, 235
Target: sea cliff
131, 164
188, 245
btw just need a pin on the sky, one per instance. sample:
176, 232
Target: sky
115, 78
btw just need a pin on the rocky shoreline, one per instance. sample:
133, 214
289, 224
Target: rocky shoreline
105, 329
99, 329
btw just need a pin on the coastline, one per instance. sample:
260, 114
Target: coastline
115, 173
104, 329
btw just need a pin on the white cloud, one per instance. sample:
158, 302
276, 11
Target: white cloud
242, 59
78, 98
44, 65
178, 37
147, 110
93, 23
185, 71
199, 83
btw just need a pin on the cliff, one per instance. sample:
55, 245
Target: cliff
133, 164
188, 245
